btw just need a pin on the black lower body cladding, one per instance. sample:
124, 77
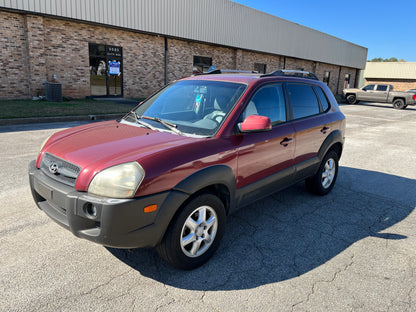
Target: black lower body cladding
120, 223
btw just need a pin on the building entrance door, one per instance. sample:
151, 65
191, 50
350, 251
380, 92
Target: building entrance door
106, 70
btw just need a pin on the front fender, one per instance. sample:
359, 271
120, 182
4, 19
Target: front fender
213, 175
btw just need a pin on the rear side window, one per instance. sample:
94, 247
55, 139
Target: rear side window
322, 99
303, 99
381, 88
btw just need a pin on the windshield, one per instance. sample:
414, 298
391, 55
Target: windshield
194, 107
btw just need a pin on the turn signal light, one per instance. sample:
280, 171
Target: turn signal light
150, 208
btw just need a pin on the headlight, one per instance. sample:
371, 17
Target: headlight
121, 181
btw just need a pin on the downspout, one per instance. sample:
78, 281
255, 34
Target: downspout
166, 60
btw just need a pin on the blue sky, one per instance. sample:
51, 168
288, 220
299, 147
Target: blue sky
386, 28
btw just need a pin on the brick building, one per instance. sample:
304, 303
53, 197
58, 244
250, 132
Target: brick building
132, 48
402, 75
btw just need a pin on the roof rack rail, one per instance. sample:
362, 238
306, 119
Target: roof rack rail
293, 73
229, 71
213, 70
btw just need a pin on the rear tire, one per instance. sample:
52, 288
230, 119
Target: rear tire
351, 99
399, 104
323, 181
195, 233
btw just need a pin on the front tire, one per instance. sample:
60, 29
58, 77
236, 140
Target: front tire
195, 233
351, 99
324, 180
399, 104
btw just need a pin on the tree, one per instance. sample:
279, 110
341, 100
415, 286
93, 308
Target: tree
392, 59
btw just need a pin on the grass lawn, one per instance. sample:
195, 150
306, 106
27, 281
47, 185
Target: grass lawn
41, 108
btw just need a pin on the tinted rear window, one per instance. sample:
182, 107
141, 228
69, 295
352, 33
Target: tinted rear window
303, 99
381, 88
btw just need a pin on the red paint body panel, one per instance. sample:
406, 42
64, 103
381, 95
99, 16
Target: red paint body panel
166, 158
196, 147
169, 158
261, 154
110, 143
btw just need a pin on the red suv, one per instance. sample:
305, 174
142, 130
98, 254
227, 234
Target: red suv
169, 172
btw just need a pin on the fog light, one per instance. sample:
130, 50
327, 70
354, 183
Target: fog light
90, 210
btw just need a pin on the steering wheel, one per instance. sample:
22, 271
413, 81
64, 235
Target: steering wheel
216, 116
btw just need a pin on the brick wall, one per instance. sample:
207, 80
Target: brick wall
181, 57
37, 53
334, 75
398, 84
292, 63
342, 83
68, 57
14, 79
34, 48
247, 59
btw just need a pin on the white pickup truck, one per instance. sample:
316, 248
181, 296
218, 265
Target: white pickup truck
381, 93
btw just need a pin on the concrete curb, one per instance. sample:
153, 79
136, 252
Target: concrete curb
34, 120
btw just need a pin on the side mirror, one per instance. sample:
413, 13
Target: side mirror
255, 123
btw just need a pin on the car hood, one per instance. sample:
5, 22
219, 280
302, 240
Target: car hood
99, 146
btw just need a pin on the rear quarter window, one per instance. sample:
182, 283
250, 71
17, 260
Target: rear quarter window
322, 99
303, 99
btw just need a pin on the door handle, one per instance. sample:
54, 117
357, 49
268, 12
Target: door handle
324, 129
286, 141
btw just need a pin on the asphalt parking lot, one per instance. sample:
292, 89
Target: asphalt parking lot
353, 250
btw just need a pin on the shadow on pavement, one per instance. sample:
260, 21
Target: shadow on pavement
291, 233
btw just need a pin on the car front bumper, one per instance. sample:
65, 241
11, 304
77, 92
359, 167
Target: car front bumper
120, 223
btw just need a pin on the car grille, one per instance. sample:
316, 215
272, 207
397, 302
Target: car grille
59, 169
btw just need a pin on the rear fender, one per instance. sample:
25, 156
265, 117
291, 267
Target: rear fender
333, 138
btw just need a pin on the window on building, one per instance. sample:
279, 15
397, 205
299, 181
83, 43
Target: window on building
327, 76
201, 64
347, 78
303, 99
106, 70
347, 81
260, 68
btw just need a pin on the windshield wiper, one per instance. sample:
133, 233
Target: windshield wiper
171, 126
140, 122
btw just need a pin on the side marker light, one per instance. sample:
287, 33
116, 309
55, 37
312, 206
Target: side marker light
150, 208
